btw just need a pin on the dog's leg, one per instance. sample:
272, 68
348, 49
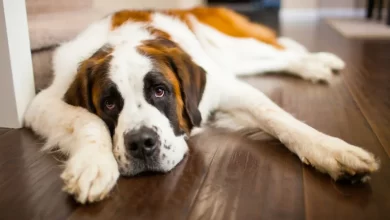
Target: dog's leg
291, 44
263, 58
249, 56
91, 170
242, 106
327, 59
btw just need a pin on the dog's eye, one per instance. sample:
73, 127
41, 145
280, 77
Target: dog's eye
159, 92
109, 104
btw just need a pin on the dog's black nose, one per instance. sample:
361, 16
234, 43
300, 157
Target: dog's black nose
142, 143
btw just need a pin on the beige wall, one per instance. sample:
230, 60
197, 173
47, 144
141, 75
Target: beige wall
299, 4
43, 6
307, 4
142, 4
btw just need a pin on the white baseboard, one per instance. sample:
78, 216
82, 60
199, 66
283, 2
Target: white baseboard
312, 14
342, 12
298, 14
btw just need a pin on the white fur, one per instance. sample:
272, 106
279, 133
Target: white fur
250, 57
127, 71
92, 168
91, 171
327, 154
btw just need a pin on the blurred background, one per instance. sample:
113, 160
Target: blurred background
53, 22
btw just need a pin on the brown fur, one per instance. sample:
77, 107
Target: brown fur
234, 24
82, 92
121, 17
151, 50
187, 78
222, 19
100, 82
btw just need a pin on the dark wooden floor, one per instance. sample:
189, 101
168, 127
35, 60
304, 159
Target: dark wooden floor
228, 177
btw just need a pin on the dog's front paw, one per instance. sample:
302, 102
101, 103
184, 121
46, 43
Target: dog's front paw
90, 176
330, 60
311, 69
342, 161
317, 67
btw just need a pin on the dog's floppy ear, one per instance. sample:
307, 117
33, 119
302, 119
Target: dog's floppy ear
80, 91
192, 82
190, 76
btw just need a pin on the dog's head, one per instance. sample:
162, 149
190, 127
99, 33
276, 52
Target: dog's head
148, 96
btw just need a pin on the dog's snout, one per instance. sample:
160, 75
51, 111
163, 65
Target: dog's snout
142, 143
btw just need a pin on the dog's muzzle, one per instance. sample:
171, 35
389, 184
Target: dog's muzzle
142, 143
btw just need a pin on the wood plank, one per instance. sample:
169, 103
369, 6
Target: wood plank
168, 196
334, 111
366, 77
338, 116
29, 180
4, 130
369, 83
251, 180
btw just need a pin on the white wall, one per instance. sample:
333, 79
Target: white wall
16, 77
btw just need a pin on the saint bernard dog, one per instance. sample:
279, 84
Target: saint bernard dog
130, 89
